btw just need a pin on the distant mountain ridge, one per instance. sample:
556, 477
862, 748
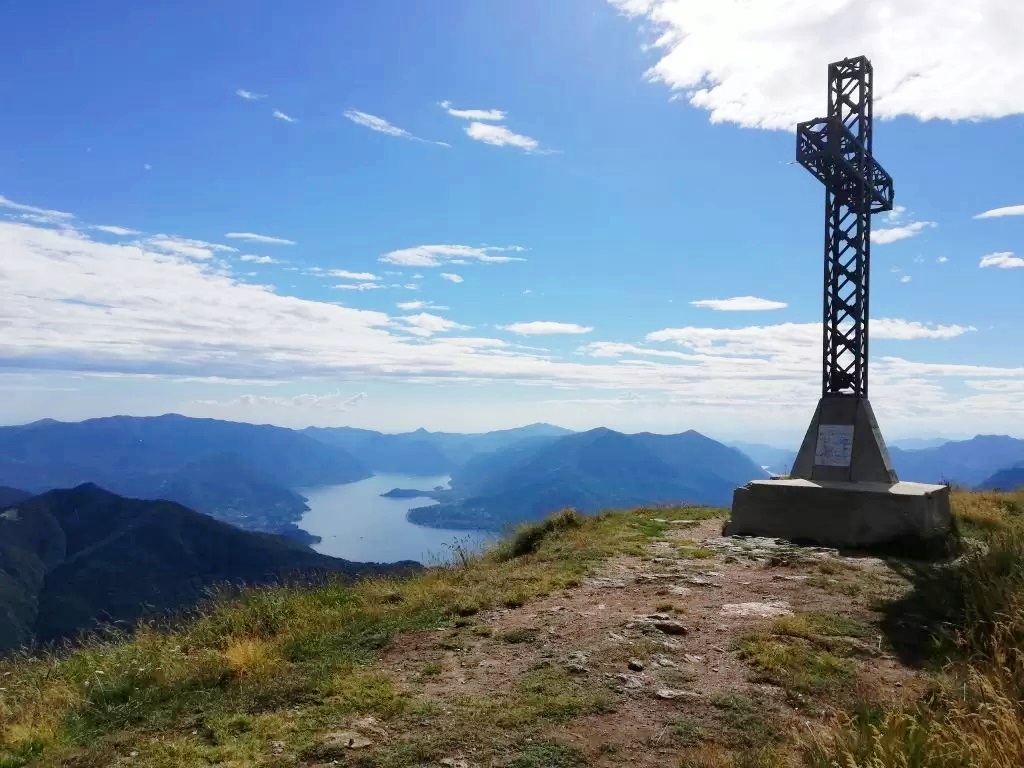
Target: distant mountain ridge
69, 558
242, 473
589, 471
423, 452
965, 462
1009, 479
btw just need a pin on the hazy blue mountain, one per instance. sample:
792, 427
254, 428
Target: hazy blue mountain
224, 487
965, 462
1009, 479
778, 461
405, 454
71, 558
590, 471
12, 495
52, 454
242, 473
918, 443
461, 447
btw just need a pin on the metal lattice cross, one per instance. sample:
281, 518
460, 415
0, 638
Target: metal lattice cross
837, 150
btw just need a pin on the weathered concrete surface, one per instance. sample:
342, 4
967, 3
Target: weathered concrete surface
868, 457
840, 514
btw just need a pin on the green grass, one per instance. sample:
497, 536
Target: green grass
287, 660
796, 664
548, 755
966, 620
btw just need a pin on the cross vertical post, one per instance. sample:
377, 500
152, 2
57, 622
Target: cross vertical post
837, 150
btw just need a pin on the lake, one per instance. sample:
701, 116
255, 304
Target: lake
355, 523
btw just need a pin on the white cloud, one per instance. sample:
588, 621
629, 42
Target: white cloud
426, 324
545, 327
249, 95
1002, 260
451, 278
500, 136
344, 273
763, 64
740, 304
256, 259
380, 125
333, 401
254, 238
409, 306
112, 230
41, 215
436, 255
132, 310
473, 114
892, 234
282, 116
187, 247
1009, 210
906, 279
942, 259
359, 286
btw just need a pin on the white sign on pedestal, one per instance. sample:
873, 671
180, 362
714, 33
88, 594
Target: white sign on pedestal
835, 445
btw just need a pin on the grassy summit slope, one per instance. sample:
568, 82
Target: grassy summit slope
639, 637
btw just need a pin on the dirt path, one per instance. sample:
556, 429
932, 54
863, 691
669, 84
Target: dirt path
660, 639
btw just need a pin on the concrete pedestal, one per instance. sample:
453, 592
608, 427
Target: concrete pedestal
841, 513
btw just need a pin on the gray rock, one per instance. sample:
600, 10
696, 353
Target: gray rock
675, 693
636, 665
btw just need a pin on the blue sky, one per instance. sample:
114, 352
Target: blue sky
468, 216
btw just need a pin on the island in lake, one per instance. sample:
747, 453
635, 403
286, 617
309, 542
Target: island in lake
440, 493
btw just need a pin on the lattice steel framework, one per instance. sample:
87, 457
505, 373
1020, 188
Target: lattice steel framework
837, 150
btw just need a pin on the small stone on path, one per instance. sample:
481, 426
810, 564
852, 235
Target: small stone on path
636, 665
766, 610
675, 693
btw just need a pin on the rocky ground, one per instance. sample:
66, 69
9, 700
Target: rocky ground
704, 650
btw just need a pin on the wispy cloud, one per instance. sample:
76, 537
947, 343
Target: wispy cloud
250, 95
721, 57
451, 278
332, 401
254, 238
380, 125
426, 324
122, 231
942, 259
409, 306
545, 327
1001, 260
129, 309
366, 286
184, 246
500, 136
892, 234
40, 215
1009, 210
344, 273
740, 304
473, 114
905, 278
436, 255
252, 257
282, 116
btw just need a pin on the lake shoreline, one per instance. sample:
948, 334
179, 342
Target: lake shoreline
365, 522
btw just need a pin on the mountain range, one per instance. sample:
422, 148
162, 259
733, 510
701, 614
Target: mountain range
71, 559
590, 471
239, 473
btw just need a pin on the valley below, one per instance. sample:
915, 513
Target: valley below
363, 520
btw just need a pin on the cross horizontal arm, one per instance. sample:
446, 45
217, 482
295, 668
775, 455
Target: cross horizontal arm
831, 152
